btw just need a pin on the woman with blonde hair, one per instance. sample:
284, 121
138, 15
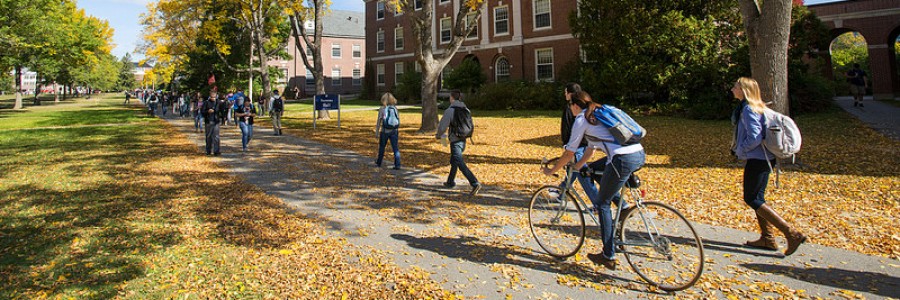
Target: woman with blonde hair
386, 128
750, 123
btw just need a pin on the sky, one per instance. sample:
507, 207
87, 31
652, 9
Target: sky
124, 16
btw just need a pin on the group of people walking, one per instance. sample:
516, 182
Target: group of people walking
218, 110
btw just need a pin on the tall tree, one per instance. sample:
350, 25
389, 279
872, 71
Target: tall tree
126, 73
432, 61
313, 11
767, 27
21, 35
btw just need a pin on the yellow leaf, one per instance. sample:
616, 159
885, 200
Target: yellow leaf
286, 251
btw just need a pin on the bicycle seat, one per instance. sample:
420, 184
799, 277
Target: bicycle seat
633, 182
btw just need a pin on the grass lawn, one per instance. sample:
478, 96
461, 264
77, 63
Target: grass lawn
844, 193
98, 201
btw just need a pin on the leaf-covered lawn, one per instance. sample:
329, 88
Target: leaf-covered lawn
844, 193
131, 210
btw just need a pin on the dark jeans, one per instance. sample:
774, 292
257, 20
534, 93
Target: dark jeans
212, 137
614, 176
457, 162
393, 136
756, 177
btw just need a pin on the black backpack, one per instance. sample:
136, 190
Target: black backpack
278, 104
461, 125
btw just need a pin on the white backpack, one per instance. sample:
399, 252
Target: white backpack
782, 135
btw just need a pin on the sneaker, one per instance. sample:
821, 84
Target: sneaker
449, 185
476, 189
396, 167
599, 259
217, 154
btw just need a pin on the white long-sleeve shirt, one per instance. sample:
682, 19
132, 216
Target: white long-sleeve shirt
598, 137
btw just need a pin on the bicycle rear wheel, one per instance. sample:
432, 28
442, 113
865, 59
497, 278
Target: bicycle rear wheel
662, 246
556, 222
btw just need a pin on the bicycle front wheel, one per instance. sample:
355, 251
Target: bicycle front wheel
556, 222
662, 246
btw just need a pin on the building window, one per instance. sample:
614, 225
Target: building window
444, 73
470, 20
398, 38
501, 20
357, 76
335, 50
335, 76
309, 52
445, 1
284, 76
379, 10
379, 74
418, 4
541, 14
310, 80
379, 41
398, 71
544, 59
445, 30
309, 25
501, 70
357, 51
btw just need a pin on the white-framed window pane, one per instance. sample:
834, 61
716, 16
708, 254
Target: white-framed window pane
541, 13
309, 25
502, 70
379, 10
444, 73
419, 4
335, 76
398, 71
470, 20
309, 52
544, 58
357, 51
501, 20
310, 80
336, 50
379, 74
398, 38
445, 30
357, 76
379, 41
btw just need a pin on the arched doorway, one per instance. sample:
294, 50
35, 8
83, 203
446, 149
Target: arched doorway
501, 69
847, 49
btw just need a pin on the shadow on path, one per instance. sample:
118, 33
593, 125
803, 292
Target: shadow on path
861, 281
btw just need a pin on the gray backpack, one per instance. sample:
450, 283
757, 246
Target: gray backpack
782, 135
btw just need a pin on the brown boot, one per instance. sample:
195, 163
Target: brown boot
794, 238
766, 239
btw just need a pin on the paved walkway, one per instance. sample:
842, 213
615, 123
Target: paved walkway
882, 117
481, 247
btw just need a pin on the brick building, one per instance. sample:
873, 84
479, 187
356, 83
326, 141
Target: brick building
343, 57
514, 40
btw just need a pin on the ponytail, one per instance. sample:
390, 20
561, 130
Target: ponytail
584, 101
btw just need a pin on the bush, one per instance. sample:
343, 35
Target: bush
810, 93
466, 77
517, 95
409, 87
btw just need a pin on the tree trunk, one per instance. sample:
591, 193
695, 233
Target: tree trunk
55, 93
429, 100
18, 104
37, 90
264, 76
768, 31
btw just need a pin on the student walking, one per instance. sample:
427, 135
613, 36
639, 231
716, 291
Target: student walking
244, 111
386, 129
749, 125
456, 118
197, 110
276, 110
212, 117
858, 82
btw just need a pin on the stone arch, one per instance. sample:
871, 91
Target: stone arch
892, 40
842, 88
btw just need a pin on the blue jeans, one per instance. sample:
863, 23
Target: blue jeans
246, 134
586, 183
457, 162
614, 177
393, 135
756, 177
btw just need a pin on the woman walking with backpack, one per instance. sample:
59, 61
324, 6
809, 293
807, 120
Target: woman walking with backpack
750, 123
386, 128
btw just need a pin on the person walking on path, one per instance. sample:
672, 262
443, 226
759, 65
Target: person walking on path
858, 82
618, 165
197, 110
244, 111
127, 98
453, 116
212, 117
276, 110
386, 128
750, 122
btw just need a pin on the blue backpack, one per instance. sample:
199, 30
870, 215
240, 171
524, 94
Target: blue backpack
622, 127
391, 119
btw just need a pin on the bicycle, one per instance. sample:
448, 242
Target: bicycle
650, 234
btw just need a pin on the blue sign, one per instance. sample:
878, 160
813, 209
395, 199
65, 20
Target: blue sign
327, 102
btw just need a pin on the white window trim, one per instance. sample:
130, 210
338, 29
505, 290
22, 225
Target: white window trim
339, 80
356, 48
507, 21
497, 70
380, 34
402, 38
340, 51
442, 2
474, 30
537, 64
441, 30
398, 71
419, 8
357, 79
379, 71
383, 10
534, 16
